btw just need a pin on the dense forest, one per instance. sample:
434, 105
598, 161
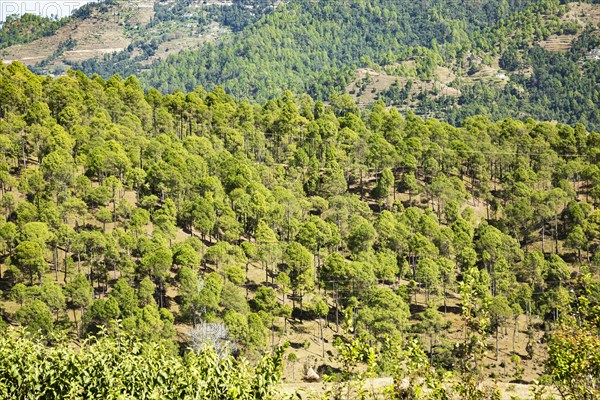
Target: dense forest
162, 223
315, 47
27, 28
558, 88
192, 18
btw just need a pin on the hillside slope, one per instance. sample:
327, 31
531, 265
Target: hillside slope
292, 221
314, 45
482, 60
133, 32
503, 59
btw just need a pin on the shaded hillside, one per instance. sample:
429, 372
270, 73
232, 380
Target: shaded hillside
125, 36
25, 29
315, 45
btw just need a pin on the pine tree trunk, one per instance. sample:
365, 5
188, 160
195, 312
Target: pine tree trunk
497, 352
361, 185
556, 233
55, 259
337, 295
543, 235
266, 273
445, 295
322, 338
75, 318
515, 332
431, 348
65, 261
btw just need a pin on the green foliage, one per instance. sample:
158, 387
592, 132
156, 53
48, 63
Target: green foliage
362, 236
125, 297
233, 298
186, 256
124, 367
414, 377
146, 292
101, 314
29, 258
256, 332
36, 317
350, 383
79, 292
462, 35
573, 361
384, 315
557, 80
52, 294
210, 190
316, 59
320, 308
27, 28
235, 274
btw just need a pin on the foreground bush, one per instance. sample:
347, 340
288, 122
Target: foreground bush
124, 368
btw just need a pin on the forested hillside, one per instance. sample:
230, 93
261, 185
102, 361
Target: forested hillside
187, 219
17, 30
444, 59
544, 84
315, 46
497, 52
122, 36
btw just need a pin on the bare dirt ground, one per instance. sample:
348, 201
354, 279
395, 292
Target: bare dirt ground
380, 81
305, 339
581, 13
100, 34
376, 385
445, 75
142, 12
95, 36
558, 42
178, 44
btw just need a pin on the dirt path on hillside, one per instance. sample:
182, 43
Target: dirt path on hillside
308, 390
